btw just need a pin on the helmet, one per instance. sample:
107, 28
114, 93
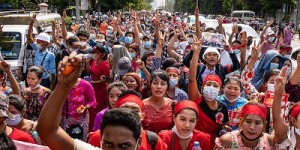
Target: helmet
43, 37
33, 32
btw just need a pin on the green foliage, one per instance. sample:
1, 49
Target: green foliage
68, 20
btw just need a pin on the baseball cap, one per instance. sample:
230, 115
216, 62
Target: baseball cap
4, 103
74, 40
43, 37
124, 64
170, 62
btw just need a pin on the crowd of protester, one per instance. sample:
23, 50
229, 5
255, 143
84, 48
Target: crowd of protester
146, 81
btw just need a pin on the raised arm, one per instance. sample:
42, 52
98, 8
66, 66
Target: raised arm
170, 47
13, 82
157, 27
197, 23
48, 124
157, 59
281, 129
234, 30
193, 86
221, 29
135, 28
63, 26
244, 41
54, 39
30, 30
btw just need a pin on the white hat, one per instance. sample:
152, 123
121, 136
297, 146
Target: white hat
43, 37
209, 50
34, 31
69, 34
270, 32
48, 29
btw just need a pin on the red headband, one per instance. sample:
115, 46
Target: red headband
136, 77
254, 110
186, 104
295, 111
213, 77
130, 98
174, 70
286, 49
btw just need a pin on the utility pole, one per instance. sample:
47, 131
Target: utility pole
77, 10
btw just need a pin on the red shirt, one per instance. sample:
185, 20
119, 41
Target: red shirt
94, 139
202, 138
158, 120
20, 135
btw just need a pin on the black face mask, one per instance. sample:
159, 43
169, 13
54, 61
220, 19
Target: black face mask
249, 42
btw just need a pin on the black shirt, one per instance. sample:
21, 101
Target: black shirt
220, 115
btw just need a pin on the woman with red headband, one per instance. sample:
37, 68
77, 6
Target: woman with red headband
251, 131
183, 134
213, 113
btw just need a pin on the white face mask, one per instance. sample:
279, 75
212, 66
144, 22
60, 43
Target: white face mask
173, 82
72, 49
14, 122
297, 130
36, 87
210, 93
231, 101
92, 36
174, 129
83, 44
38, 46
270, 87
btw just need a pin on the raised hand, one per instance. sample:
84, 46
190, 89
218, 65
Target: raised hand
64, 17
281, 80
161, 41
196, 12
235, 28
5, 66
77, 61
197, 45
140, 64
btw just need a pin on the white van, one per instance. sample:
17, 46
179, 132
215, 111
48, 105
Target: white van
13, 33
243, 14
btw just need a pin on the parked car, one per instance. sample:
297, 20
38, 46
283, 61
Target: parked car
190, 20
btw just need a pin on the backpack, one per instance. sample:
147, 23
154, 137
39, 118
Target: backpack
152, 139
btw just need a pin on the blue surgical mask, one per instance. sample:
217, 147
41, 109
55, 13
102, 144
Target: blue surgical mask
274, 66
271, 39
14, 122
132, 55
108, 32
237, 51
173, 82
38, 46
190, 40
128, 40
147, 44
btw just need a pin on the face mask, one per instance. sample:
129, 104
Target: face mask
93, 56
92, 36
231, 101
165, 29
270, 87
108, 32
271, 39
236, 51
128, 40
210, 93
72, 49
287, 56
38, 46
174, 129
147, 44
132, 55
297, 130
36, 87
83, 44
173, 82
13, 122
274, 66
190, 40
147, 32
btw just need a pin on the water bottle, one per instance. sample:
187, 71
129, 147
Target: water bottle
36, 137
196, 146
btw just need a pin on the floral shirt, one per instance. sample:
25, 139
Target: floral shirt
35, 102
249, 89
